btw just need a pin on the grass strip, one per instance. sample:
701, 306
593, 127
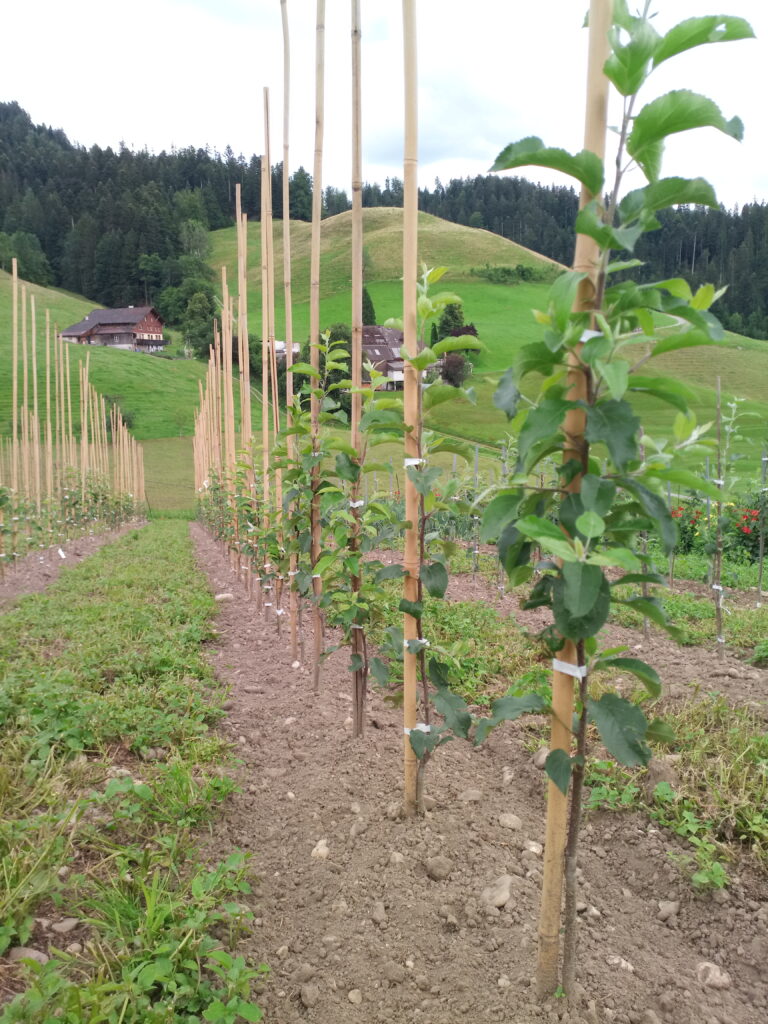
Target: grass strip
109, 771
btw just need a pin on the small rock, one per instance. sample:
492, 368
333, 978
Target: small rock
289, 721
396, 859
507, 776
63, 872
504, 981
74, 948
19, 953
224, 597
303, 974
533, 847
379, 913
540, 758
394, 972
290, 796
321, 850
668, 909
429, 803
282, 952
309, 995
355, 996
620, 964
471, 796
712, 976
422, 982
358, 827
295, 664
64, 927
510, 821
355, 807
394, 811
498, 893
439, 868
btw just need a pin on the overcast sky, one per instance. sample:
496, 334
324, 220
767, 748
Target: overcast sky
163, 73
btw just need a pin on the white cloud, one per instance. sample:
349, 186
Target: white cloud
158, 73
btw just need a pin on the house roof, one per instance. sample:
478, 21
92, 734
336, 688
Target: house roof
99, 318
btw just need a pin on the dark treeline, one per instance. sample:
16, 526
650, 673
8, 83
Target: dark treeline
126, 227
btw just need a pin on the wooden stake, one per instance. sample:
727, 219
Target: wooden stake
293, 593
586, 259
358, 639
314, 336
412, 385
15, 377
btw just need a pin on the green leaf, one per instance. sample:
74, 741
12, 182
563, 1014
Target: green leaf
661, 733
436, 394
533, 358
389, 572
628, 65
690, 481
346, 469
589, 222
531, 152
542, 422
217, 1011
665, 192
507, 709
578, 627
548, 536
414, 608
656, 508
562, 296
461, 344
307, 369
423, 479
686, 339
615, 375
582, 586
650, 608
506, 396
647, 675
597, 494
612, 557
590, 524
434, 576
677, 111
379, 671
713, 28
454, 710
558, 767
499, 511
615, 424
622, 727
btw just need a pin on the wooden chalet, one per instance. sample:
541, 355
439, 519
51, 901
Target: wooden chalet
381, 347
135, 328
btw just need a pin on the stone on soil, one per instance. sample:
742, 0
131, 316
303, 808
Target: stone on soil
510, 821
379, 914
439, 868
355, 996
712, 976
540, 758
321, 850
64, 927
498, 893
309, 995
668, 909
396, 858
471, 796
27, 953
224, 597
394, 972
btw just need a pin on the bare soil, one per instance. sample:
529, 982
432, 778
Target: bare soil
366, 935
37, 570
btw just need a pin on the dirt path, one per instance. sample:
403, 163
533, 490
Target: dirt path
390, 926
37, 570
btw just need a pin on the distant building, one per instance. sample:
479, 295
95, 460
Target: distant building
280, 349
381, 347
136, 328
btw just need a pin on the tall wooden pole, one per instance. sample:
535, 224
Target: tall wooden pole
293, 593
412, 384
358, 640
314, 336
15, 377
586, 259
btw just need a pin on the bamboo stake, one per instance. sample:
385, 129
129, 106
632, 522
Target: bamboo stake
15, 377
293, 594
25, 454
585, 259
358, 640
314, 335
412, 383
37, 483
48, 427
717, 560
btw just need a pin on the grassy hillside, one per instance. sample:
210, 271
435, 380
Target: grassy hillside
157, 395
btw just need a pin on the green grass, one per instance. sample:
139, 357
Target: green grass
103, 668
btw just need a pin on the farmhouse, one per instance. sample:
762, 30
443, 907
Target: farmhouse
381, 347
138, 328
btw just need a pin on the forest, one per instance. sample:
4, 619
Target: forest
130, 226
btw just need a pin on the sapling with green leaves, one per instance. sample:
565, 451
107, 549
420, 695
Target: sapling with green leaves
599, 335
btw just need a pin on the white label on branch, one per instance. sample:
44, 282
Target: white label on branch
577, 671
419, 727
413, 462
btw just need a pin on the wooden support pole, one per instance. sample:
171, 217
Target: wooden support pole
586, 259
412, 405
